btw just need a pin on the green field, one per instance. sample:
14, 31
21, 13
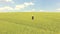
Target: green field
21, 23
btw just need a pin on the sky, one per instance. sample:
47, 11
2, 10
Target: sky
29, 5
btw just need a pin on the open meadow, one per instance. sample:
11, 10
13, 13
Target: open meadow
22, 23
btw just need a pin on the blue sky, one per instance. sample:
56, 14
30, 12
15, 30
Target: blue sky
29, 5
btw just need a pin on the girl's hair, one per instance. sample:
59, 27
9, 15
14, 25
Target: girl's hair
32, 17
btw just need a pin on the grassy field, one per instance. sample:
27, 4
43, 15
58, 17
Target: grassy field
21, 23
